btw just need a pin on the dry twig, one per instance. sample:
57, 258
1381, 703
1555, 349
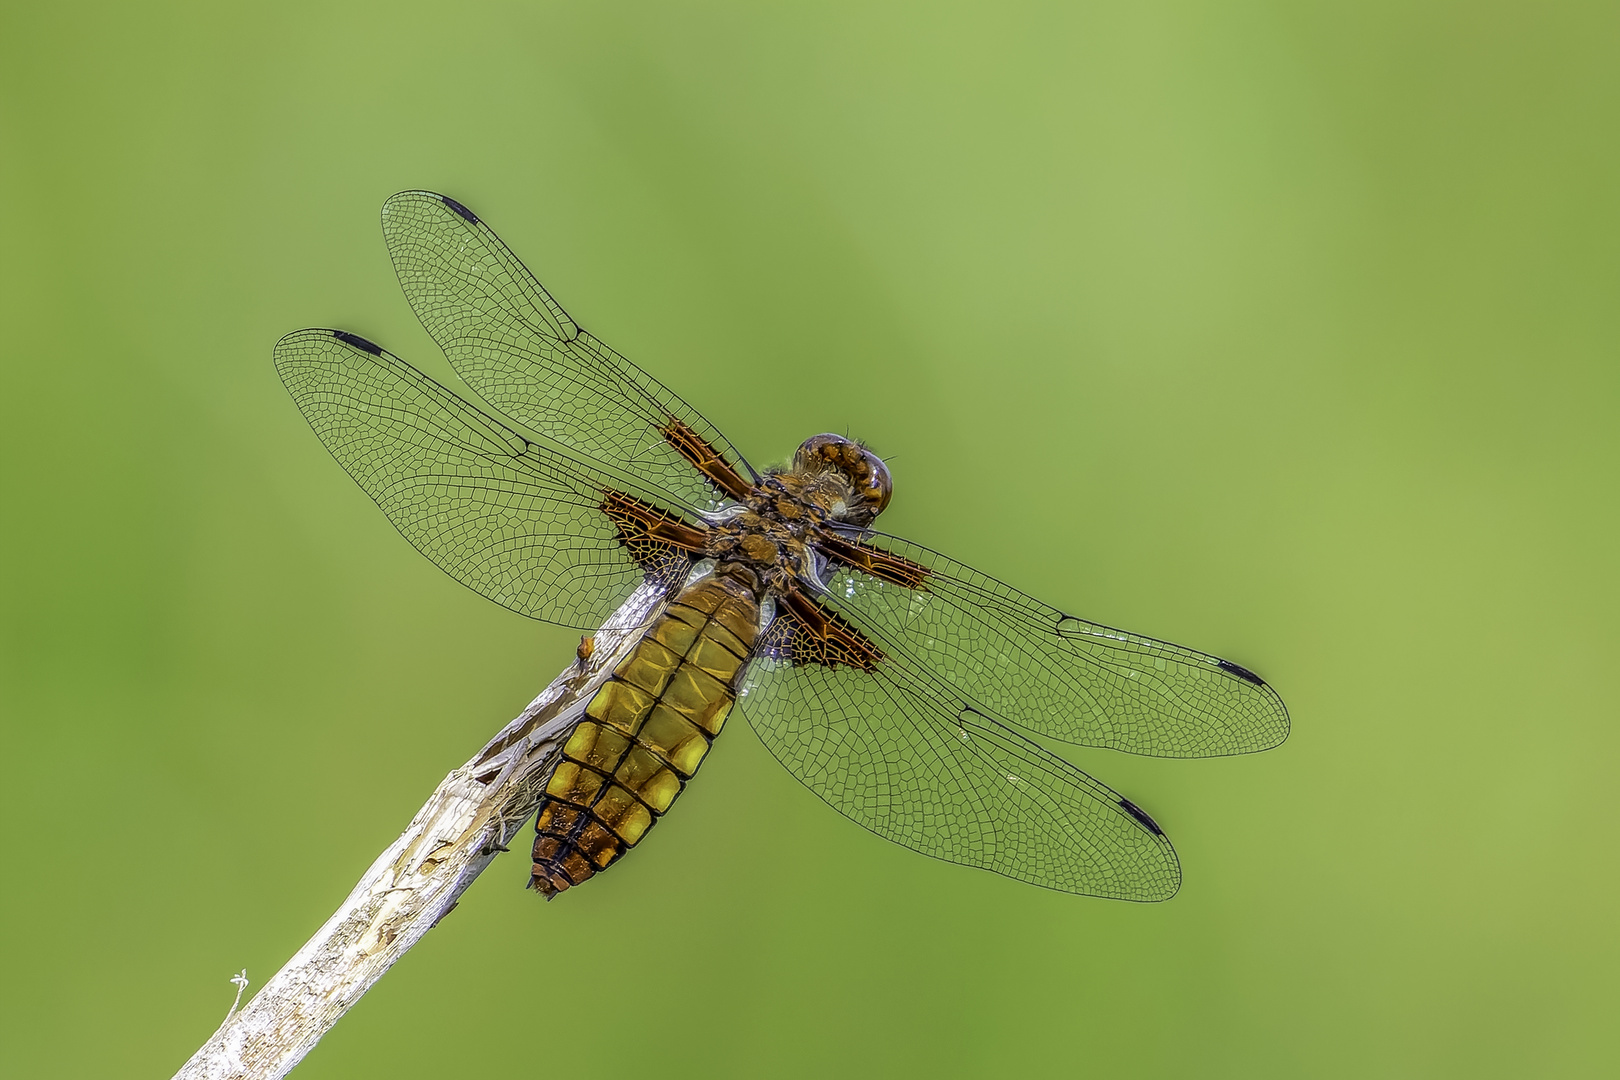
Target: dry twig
457, 833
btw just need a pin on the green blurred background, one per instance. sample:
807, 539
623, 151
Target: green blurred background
1288, 332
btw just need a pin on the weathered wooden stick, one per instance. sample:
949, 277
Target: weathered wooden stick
415, 883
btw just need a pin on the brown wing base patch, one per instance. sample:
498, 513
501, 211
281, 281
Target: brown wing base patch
883, 565
694, 448
659, 542
804, 632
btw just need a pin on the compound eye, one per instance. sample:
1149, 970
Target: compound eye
821, 451
876, 485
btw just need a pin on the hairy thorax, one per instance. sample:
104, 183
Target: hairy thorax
833, 482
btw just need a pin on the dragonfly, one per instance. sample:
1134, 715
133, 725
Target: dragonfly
907, 690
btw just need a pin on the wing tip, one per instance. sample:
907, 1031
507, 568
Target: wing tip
1158, 896
293, 336
1166, 881
1141, 816
460, 211
1241, 672
1284, 726
418, 195
356, 341
1281, 725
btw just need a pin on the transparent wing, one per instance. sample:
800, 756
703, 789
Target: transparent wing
512, 343
897, 753
1027, 663
511, 520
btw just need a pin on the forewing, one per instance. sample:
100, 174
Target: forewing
897, 753
515, 522
513, 344
1029, 664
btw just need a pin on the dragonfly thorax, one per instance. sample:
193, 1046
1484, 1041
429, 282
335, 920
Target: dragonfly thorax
773, 546
833, 482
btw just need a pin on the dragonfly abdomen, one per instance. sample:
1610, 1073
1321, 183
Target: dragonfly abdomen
646, 731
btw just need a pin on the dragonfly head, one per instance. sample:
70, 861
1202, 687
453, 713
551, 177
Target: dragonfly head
867, 476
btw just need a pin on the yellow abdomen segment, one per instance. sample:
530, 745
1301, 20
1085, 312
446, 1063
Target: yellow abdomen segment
645, 732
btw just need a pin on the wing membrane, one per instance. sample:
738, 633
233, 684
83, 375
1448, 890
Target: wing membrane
898, 754
513, 521
1027, 663
513, 344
